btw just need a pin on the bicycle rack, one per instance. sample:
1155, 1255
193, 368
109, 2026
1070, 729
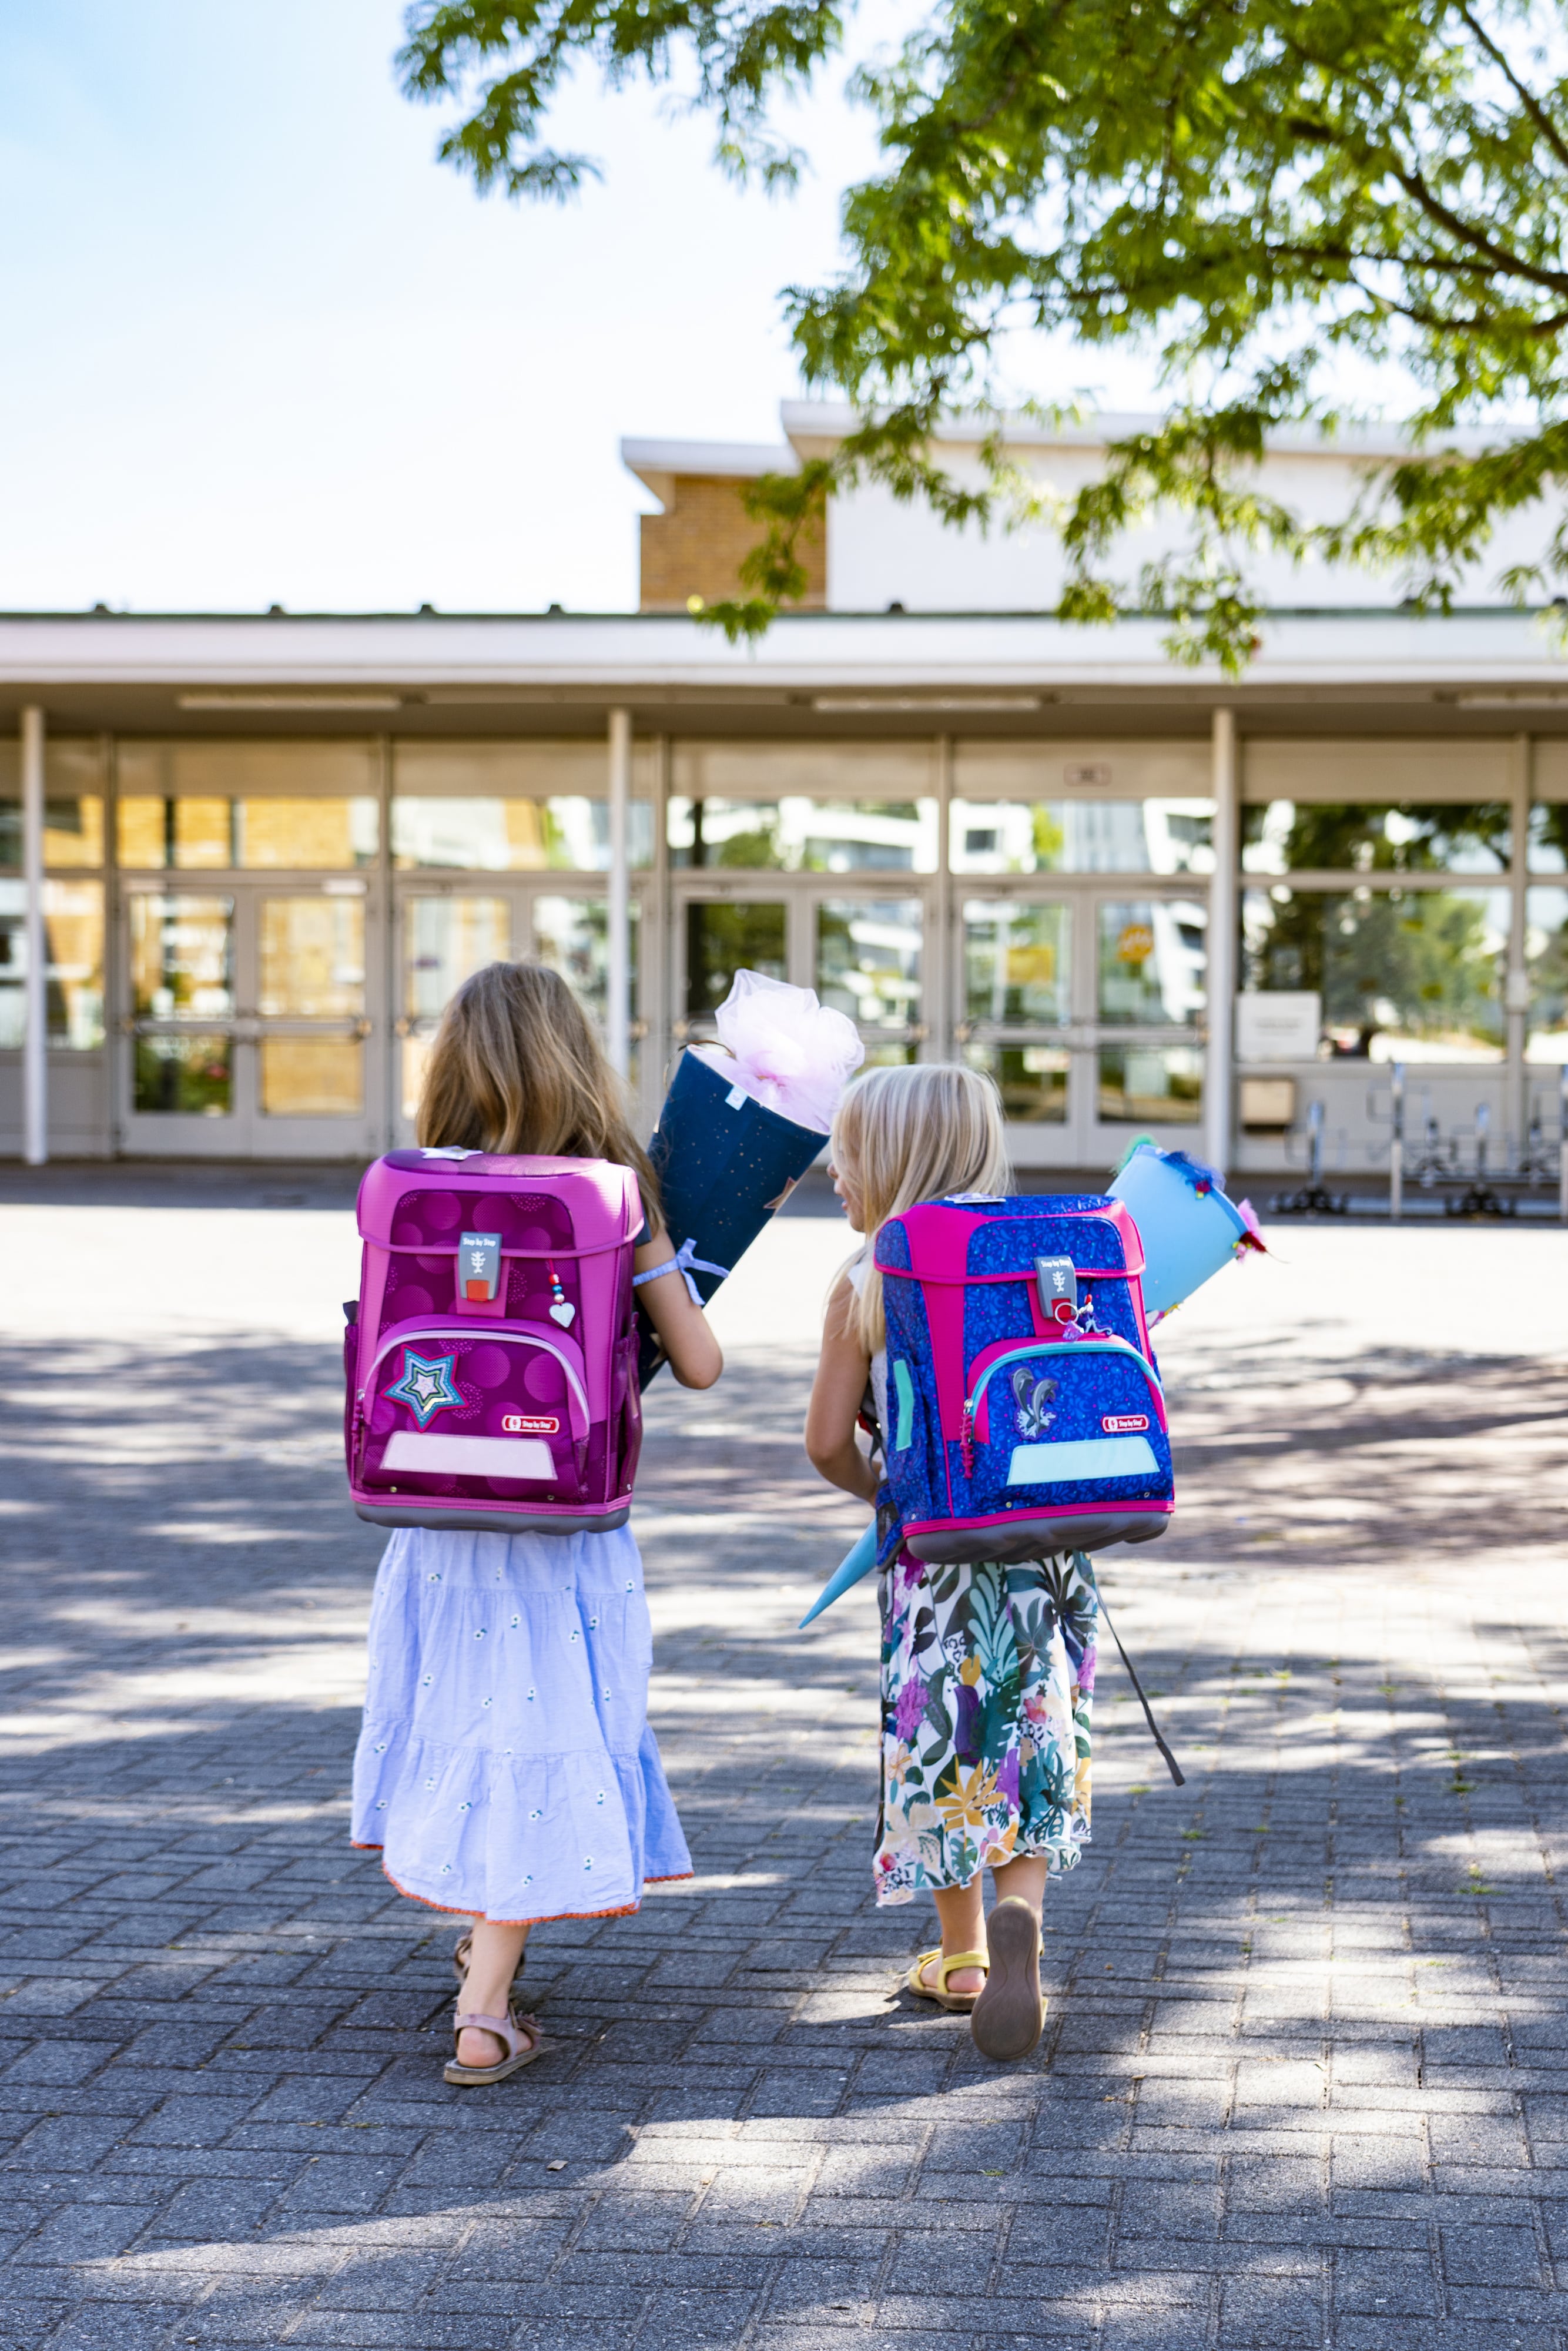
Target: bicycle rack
1314, 1199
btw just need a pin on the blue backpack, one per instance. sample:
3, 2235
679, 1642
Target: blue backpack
1026, 1414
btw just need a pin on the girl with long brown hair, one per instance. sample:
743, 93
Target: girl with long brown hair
554, 1752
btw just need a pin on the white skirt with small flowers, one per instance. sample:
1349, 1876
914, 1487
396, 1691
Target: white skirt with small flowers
505, 1767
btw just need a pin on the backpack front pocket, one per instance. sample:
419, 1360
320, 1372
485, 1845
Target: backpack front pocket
1052, 1423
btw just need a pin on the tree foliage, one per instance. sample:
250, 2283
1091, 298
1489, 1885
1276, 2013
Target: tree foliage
1261, 190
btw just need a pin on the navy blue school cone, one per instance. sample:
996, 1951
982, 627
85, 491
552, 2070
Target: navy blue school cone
724, 1163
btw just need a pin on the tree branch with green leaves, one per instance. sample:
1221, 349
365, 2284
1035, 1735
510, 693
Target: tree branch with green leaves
1258, 193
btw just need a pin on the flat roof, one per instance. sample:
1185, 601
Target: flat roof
840, 673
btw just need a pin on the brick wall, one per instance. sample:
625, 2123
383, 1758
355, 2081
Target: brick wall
695, 547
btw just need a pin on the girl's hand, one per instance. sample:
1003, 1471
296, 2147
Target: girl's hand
692, 1351
837, 1392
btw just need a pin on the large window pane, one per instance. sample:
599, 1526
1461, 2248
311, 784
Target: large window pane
721, 939
73, 803
1152, 962
181, 958
73, 831
445, 939
1144, 1085
791, 835
1546, 957
1376, 837
1097, 836
312, 954
73, 949
192, 833
1403, 975
1549, 838
312, 1077
1031, 1079
868, 959
311, 836
1017, 964
572, 936
186, 834
493, 835
182, 965
184, 1076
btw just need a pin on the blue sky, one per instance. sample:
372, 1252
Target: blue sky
261, 347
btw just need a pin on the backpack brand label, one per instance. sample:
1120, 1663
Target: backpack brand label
479, 1258
1123, 1423
531, 1423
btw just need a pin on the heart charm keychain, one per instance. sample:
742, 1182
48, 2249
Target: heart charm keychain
560, 1309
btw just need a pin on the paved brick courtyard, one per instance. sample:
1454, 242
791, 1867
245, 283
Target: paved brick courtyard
1305, 2078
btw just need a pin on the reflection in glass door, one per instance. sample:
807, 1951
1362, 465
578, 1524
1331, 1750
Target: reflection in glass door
720, 936
867, 966
1151, 975
1017, 1000
310, 1007
446, 935
444, 940
182, 1005
1088, 1011
249, 1011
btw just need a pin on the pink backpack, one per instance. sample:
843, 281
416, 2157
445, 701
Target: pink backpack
491, 1357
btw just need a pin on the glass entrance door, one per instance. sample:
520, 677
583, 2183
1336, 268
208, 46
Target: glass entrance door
867, 961
446, 932
860, 945
1015, 998
716, 936
249, 1021
1151, 1002
1088, 1010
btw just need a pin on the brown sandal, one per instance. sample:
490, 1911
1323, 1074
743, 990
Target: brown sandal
1009, 2014
520, 2039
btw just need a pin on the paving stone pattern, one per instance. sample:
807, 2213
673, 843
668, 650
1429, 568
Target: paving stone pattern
1305, 2078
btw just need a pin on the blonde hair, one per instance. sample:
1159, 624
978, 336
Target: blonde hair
903, 1135
515, 1066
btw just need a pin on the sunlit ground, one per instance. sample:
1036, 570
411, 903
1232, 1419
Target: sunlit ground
1304, 2070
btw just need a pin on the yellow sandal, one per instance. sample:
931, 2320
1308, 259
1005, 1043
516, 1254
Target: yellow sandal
956, 2003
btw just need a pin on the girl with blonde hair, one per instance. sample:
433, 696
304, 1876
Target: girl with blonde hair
987, 1671
535, 1792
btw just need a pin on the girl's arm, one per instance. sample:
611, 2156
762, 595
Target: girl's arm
692, 1351
836, 1395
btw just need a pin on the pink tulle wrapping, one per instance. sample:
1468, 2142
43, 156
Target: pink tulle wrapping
790, 1053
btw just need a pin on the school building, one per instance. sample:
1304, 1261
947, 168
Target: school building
244, 859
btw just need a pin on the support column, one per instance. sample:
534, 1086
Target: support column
1516, 986
34, 1031
1218, 1077
618, 956
941, 1013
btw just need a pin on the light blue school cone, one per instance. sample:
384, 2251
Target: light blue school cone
1187, 1226
856, 1563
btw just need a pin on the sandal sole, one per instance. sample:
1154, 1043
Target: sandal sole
1009, 2016
473, 2077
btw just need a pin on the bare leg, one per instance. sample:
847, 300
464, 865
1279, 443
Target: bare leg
962, 1912
495, 1951
1022, 1880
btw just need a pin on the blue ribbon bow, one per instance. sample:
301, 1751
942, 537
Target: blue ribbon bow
686, 1262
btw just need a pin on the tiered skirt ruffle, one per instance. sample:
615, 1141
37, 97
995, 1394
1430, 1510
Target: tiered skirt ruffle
506, 1768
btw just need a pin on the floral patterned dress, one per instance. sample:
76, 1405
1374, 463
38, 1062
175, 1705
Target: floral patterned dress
988, 1680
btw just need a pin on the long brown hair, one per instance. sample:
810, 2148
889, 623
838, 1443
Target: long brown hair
515, 1066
